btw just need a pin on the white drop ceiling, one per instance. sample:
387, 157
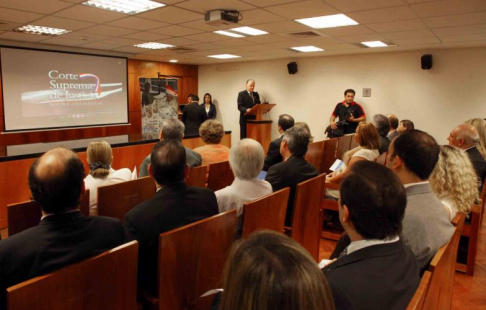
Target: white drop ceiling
410, 24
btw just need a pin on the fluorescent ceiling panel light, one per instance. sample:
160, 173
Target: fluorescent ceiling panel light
249, 31
374, 44
307, 49
173, 60
45, 31
224, 56
229, 34
153, 45
329, 21
124, 6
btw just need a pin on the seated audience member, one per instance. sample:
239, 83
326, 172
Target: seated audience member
174, 205
454, 180
211, 132
369, 141
294, 168
209, 106
393, 133
376, 271
306, 127
269, 271
172, 129
64, 236
285, 122
383, 126
426, 225
193, 116
466, 137
100, 157
480, 125
246, 161
405, 125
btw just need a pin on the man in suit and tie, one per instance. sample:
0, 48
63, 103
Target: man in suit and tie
393, 133
466, 137
193, 116
64, 236
294, 168
376, 271
247, 99
285, 122
426, 225
174, 205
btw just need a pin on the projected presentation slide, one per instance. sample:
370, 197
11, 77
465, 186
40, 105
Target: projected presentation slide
56, 90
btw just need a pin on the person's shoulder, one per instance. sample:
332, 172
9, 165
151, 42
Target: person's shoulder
104, 221
200, 191
123, 173
23, 238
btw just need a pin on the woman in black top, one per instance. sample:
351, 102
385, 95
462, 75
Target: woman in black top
209, 107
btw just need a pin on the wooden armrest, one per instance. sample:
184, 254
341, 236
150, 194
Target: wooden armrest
331, 185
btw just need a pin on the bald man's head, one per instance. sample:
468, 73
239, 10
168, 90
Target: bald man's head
463, 136
56, 180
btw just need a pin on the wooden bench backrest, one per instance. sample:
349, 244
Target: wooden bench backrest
306, 218
191, 260
197, 176
220, 175
381, 159
418, 299
328, 154
117, 199
314, 154
24, 215
106, 281
353, 143
344, 143
439, 295
266, 213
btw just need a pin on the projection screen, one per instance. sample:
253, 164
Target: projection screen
43, 89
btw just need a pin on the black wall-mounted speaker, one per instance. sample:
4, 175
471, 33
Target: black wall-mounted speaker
426, 61
292, 67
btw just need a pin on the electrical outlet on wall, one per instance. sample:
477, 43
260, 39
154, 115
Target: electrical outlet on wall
366, 92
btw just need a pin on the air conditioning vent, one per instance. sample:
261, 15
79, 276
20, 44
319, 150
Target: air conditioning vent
304, 35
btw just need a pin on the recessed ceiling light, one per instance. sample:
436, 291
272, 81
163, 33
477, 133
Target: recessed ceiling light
307, 49
249, 31
374, 44
124, 6
39, 30
153, 45
173, 60
229, 34
329, 21
224, 56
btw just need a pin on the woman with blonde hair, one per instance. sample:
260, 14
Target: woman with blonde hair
100, 157
368, 140
211, 132
480, 125
270, 271
454, 180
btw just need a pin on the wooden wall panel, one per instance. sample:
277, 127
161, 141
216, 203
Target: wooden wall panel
136, 68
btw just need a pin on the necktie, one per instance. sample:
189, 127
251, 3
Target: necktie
251, 95
343, 253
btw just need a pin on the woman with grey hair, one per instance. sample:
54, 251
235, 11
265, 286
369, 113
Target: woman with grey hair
246, 161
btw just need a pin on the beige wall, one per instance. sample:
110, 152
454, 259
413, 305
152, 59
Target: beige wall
435, 100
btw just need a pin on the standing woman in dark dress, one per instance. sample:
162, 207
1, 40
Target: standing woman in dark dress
209, 107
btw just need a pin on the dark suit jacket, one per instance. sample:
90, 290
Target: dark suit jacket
58, 241
245, 102
381, 276
478, 162
172, 206
211, 114
288, 174
384, 145
193, 116
273, 154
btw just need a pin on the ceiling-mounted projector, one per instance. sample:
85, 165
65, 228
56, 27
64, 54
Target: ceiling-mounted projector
221, 17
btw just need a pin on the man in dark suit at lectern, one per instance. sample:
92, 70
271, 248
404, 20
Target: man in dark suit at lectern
247, 99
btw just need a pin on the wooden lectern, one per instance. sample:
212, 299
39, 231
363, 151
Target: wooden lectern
259, 129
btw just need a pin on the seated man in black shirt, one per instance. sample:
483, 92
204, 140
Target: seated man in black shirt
349, 113
376, 271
